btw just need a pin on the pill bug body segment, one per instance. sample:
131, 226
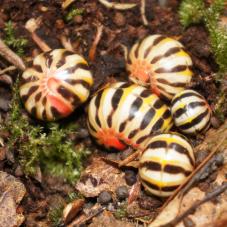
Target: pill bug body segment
165, 163
160, 63
191, 112
124, 114
56, 83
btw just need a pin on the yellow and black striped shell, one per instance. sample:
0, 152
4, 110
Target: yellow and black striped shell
165, 164
57, 82
160, 63
191, 112
123, 114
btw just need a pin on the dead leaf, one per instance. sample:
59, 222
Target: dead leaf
12, 191
100, 176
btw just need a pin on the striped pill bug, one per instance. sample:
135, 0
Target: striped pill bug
56, 83
160, 63
191, 112
165, 164
124, 115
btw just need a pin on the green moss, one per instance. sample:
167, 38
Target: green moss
17, 44
194, 11
49, 147
72, 13
121, 211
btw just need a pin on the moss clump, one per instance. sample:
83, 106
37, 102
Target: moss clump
18, 44
49, 147
73, 12
121, 211
195, 11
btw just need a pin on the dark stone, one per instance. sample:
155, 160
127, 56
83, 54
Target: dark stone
130, 177
122, 192
104, 197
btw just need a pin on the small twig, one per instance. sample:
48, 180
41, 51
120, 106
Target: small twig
98, 36
142, 11
66, 43
130, 158
67, 3
10, 68
10, 56
119, 6
31, 25
192, 209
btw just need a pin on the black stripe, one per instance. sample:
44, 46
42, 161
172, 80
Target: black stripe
150, 165
146, 93
169, 188
33, 111
179, 112
157, 144
166, 114
55, 112
158, 104
195, 104
77, 66
137, 48
116, 98
32, 90
150, 185
49, 58
158, 40
44, 101
175, 170
109, 119
31, 78
133, 133
188, 94
175, 69
147, 118
124, 85
182, 150
97, 104
135, 107
194, 122
37, 68
158, 124
176, 84
38, 96
82, 82
141, 139
62, 61
91, 126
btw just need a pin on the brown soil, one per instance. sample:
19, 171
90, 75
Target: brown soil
120, 27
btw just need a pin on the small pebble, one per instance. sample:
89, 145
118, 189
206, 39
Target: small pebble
188, 222
78, 19
122, 192
215, 122
119, 19
59, 24
104, 197
130, 177
200, 156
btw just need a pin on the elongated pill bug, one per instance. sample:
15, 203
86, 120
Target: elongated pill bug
160, 63
55, 85
165, 164
124, 114
191, 112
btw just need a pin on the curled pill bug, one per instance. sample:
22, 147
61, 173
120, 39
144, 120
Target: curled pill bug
191, 112
124, 114
55, 85
165, 164
160, 63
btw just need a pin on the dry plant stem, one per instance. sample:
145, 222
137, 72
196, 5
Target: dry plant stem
67, 3
31, 25
10, 68
119, 6
125, 50
130, 158
193, 177
98, 36
66, 43
10, 56
191, 209
142, 11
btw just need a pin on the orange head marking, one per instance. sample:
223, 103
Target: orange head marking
110, 139
141, 70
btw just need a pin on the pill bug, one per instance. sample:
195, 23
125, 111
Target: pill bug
123, 114
56, 83
160, 63
191, 112
165, 164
